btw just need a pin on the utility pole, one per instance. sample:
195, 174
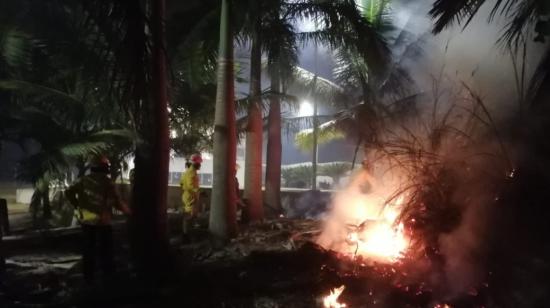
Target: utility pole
315, 145
315, 123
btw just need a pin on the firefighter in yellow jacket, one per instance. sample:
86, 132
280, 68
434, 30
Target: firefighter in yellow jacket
190, 192
94, 196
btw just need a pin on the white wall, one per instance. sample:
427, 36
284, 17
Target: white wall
177, 165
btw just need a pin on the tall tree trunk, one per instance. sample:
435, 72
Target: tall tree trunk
274, 148
152, 156
254, 133
161, 145
223, 216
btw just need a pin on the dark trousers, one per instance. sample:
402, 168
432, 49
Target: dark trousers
98, 244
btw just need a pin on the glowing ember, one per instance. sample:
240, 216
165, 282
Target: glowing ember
331, 300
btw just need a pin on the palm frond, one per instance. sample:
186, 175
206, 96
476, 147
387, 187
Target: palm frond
522, 15
308, 85
83, 149
15, 47
539, 90
327, 132
342, 25
40, 92
448, 12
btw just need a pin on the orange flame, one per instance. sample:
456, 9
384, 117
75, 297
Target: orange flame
381, 239
331, 300
362, 222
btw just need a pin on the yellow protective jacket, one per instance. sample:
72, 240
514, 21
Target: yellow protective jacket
190, 190
94, 196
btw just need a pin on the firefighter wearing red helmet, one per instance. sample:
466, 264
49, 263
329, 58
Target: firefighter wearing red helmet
190, 192
94, 196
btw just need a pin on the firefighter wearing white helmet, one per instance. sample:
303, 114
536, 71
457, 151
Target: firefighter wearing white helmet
190, 191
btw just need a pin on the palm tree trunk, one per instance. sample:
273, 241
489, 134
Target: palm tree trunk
149, 232
254, 134
274, 148
223, 220
161, 145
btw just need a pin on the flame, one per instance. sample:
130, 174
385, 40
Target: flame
384, 241
331, 300
381, 239
363, 223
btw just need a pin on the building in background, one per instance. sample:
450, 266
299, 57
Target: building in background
177, 168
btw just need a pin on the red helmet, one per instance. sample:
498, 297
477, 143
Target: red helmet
100, 161
196, 159
100, 164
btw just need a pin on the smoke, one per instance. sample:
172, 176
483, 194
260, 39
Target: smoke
363, 216
473, 55
455, 162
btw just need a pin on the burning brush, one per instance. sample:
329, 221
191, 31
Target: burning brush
379, 239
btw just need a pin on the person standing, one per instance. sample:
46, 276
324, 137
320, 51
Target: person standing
94, 196
190, 192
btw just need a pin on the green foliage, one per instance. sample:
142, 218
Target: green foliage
374, 10
297, 177
335, 170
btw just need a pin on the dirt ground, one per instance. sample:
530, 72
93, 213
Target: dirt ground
273, 264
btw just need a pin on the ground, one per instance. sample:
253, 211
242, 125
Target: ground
273, 264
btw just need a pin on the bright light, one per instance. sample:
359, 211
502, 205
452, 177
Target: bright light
331, 300
306, 109
173, 134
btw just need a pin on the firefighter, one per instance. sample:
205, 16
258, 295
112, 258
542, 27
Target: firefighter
94, 196
190, 192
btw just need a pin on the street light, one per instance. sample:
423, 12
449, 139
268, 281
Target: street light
306, 109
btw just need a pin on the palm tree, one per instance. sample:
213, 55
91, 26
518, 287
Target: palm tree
384, 94
161, 146
71, 118
341, 19
254, 128
223, 221
323, 92
282, 54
